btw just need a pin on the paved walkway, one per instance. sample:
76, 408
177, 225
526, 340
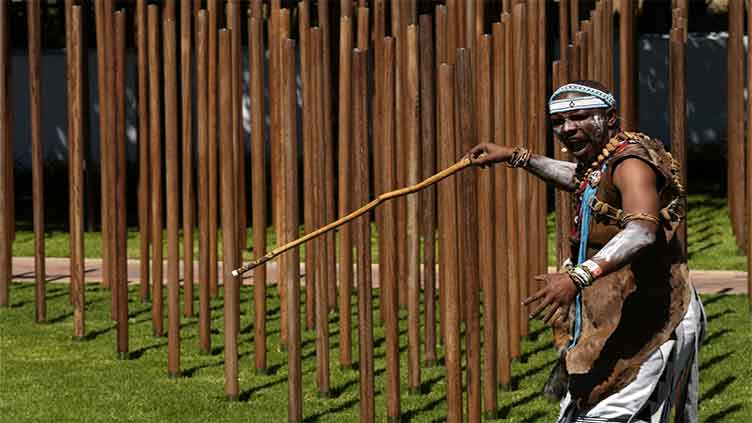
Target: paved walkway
57, 269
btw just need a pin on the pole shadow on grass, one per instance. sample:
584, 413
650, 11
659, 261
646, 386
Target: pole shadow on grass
136, 354
721, 415
713, 336
715, 360
95, 334
720, 314
341, 407
245, 396
717, 389
504, 411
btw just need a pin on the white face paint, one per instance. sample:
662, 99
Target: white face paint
599, 122
626, 244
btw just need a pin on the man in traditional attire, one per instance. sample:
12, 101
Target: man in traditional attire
626, 321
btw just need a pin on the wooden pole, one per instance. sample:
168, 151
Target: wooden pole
563, 25
229, 231
33, 19
677, 92
448, 242
308, 150
291, 261
749, 178
103, 144
486, 219
532, 203
441, 54
144, 184
322, 305
258, 179
388, 282
412, 144
111, 159
155, 134
362, 43
187, 154
6, 159
627, 75
204, 307
735, 178
212, 10
283, 28
171, 181
328, 158
501, 246
427, 198
119, 148
345, 174
75, 170
360, 168
468, 194
512, 178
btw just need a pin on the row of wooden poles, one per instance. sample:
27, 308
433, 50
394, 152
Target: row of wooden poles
414, 93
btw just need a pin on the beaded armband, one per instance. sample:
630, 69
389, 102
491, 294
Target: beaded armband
520, 157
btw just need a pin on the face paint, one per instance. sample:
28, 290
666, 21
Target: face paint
625, 245
583, 132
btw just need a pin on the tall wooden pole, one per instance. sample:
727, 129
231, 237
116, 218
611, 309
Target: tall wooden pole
735, 78
412, 144
448, 242
345, 188
212, 10
144, 184
120, 282
229, 231
75, 169
428, 197
155, 154
677, 92
283, 33
102, 85
365, 304
33, 19
627, 74
290, 263
258, 179
322, 305
501, 245
486, 237
204, 307
187, 151
6, 159
441, 46
171, 180
749, 178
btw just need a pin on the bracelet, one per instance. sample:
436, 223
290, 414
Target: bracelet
595, 270
520, 157
628, 217
581, 277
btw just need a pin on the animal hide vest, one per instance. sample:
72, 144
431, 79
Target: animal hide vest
627, 313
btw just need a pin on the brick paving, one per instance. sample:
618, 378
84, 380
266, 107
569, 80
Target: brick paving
57, 269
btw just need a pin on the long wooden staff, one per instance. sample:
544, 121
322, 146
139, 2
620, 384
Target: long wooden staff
465, 162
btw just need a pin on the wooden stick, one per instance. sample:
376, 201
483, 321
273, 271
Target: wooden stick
532, 202
512, 210
204, 307
428, 196
318, 133
187, 153
378, 157
543, 134
735, 121
345, 190
627, 78
171, 181
308, 215
398, 32
283, 28
155, 134
258, 178
677, 92
144, 184
448, 242
412, 144
212, 143
119, 147
33, 19
501, 246
75, 170
328, 158
388, 280
486, 238
441, 46
6, 158
365, 307
291, 267
229, 232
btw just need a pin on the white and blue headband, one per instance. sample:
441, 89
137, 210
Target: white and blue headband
596, 99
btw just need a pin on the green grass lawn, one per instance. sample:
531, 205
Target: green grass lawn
44, 376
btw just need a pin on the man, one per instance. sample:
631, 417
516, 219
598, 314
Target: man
626, 321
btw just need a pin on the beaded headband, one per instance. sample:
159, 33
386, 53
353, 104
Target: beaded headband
596, 99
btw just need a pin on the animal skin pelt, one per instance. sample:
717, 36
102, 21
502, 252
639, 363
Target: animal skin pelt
558, 380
